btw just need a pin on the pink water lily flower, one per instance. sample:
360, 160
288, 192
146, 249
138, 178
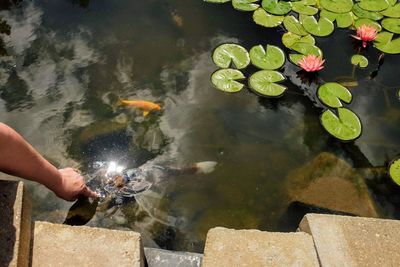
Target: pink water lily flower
365, 33
311, 63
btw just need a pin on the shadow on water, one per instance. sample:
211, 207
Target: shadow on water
81, 212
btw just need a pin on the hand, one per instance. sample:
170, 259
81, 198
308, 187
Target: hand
72, 185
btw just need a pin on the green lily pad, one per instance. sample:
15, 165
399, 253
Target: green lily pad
226, 80
293, 25
306, 49
394, 171
276, 7
359, 60
392, 11
217, 1
337, 6
392, 25
343, 20
270, 59
264, 82
245, 5
359, 22
226, 54
331, 95
295, 58
385, 43
373, 5
302, 7
289, 39
383, 38
361, 13
323, 27
346, 126
261, 17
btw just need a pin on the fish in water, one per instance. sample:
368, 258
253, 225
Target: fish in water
146, 106
116, 186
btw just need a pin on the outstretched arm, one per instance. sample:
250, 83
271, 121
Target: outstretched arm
19, 158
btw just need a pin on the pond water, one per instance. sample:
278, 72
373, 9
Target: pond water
68, 63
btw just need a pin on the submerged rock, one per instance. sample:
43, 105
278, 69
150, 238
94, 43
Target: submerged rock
331, 183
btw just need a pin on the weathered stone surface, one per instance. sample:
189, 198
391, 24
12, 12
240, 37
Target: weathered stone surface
331, 183
230, 248
165, 258
62, 245
15, 224
354, 241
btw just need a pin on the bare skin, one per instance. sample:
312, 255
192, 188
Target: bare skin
19, 158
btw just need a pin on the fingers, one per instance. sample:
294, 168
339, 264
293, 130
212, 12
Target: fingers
89, 193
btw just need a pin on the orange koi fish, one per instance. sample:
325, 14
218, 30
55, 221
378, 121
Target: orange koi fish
146, 106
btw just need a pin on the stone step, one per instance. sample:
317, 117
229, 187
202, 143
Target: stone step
63, 245
166, 258
353, 241
15, 224
231, 248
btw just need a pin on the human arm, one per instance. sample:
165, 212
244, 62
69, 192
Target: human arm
19, 158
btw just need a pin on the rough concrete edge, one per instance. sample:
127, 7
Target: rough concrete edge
143, 262
304, 226
23, 216
142, 257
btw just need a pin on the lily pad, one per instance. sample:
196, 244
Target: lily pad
373, 5
359, 60
331, 95
337, 6
394, 171
264, 82
295, 58
245, 5
359, 22
293, 25
343, 20
217, 1
261, 17
270, 59
392, 25
362, 13
307, 49
226, 54
302, 7
277, 7
289, 39
392, 12
323, 27
384, 42
226, 80
346, 126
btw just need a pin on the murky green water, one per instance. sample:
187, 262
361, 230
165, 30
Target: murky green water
68, 62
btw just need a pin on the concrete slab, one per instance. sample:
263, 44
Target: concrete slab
63, 245
231, 248
353, 241
166, 258
15, 224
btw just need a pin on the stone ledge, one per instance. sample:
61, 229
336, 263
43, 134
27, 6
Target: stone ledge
166, 258
353, 241
15, 224
62, 245
230, 248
